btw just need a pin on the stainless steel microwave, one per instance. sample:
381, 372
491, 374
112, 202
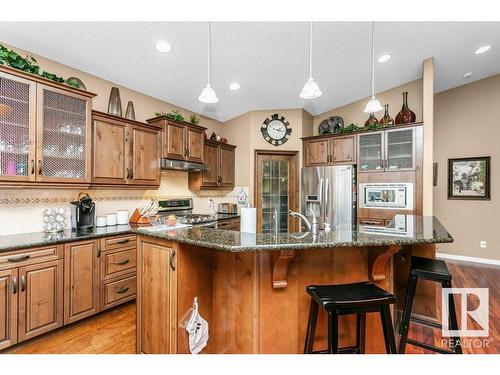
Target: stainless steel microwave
390, 196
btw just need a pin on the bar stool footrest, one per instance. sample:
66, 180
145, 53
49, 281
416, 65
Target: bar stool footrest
425, 322
346, 350
429, 347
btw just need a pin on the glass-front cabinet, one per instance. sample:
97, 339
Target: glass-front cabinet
44, 132
388, 150
275, 196
371, 152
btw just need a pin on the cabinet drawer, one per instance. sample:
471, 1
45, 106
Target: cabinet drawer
115, 292
121, 242
371, 221
30, 256
232, 224
117, 263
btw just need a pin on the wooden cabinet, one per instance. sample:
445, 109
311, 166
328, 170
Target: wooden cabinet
156, 301
229, 224
388, 150
31, 293
81, 277
220, 158
125, 152
332, 150
40, 298
180, 140
45, 131
9, 289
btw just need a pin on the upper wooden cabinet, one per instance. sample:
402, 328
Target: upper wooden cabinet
389, 150
220, 158
45, 131
330, 150
180, 140
125, 152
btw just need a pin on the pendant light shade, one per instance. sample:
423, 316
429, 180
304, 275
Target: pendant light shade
373, 104
311, 89
208, 95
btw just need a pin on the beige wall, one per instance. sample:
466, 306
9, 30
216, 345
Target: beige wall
353, 112
466, 125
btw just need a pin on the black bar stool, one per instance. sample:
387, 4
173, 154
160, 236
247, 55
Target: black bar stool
357, 298
433, 270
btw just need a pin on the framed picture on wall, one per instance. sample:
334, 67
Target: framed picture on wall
469, 178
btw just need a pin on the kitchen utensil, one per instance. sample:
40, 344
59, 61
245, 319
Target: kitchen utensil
110, 219
122, 217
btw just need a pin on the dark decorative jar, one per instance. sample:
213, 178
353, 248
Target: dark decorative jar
406, 115
372, 120
387, 120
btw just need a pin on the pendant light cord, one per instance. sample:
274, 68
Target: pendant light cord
373, 60
310, 47
208, 54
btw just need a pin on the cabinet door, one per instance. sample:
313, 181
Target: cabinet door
81, 272
400, 149
175, 141
226, 166
156, 301
17, 128
316, 152
9, 289
343, 150
40, 298
144, 156
194, 144
63, 136
371, 152
211, 177
109, 152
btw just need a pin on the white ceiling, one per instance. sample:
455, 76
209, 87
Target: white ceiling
268, 59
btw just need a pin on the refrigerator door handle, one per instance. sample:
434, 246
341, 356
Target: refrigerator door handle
326, 200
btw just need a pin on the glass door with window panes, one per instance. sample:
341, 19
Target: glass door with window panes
371, 152
17, 128
275, 195
63, 137
400, 149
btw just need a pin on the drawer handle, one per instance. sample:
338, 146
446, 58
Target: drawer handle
123, 241
98, 251
122, 290
371, 222
171, 260
18, 258
14, 285
121, 262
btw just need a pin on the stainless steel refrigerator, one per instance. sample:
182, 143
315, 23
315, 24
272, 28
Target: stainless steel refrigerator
332, 193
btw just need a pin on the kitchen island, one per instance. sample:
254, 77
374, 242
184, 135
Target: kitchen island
251, 287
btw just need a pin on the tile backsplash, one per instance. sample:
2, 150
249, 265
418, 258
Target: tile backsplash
21, 209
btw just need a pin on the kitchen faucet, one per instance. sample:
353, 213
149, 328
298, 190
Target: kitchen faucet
311, 226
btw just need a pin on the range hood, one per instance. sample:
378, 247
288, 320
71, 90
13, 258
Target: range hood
181, 165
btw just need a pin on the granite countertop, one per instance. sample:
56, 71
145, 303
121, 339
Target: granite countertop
405, 230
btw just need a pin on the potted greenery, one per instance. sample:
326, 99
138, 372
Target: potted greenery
194, 120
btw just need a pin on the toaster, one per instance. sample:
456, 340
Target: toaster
227, 208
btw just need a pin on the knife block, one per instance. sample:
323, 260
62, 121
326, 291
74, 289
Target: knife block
137, 218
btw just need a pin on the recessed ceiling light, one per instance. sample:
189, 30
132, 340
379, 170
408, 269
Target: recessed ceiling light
467, 75
234, 86
163, 46
384, 58
482, 49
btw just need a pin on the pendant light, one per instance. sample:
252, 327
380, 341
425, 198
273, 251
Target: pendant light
373, 104
311, 89
208, 95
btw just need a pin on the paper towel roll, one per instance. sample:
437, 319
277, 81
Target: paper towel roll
248, 220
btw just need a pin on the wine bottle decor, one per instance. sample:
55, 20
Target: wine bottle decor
387, 120
406, 115
372, 120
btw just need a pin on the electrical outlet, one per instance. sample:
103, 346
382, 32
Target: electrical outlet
210, 204
482, 244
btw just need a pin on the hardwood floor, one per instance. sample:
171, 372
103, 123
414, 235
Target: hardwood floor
114, 331
111, 332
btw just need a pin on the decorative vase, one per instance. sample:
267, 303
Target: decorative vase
115, 103
372, 120
387, 120
75, 81
406, 115
130, 112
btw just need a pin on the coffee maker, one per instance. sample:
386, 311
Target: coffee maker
83, 214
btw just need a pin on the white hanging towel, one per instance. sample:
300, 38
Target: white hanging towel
197, 329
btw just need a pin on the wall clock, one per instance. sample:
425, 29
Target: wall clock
276, 130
